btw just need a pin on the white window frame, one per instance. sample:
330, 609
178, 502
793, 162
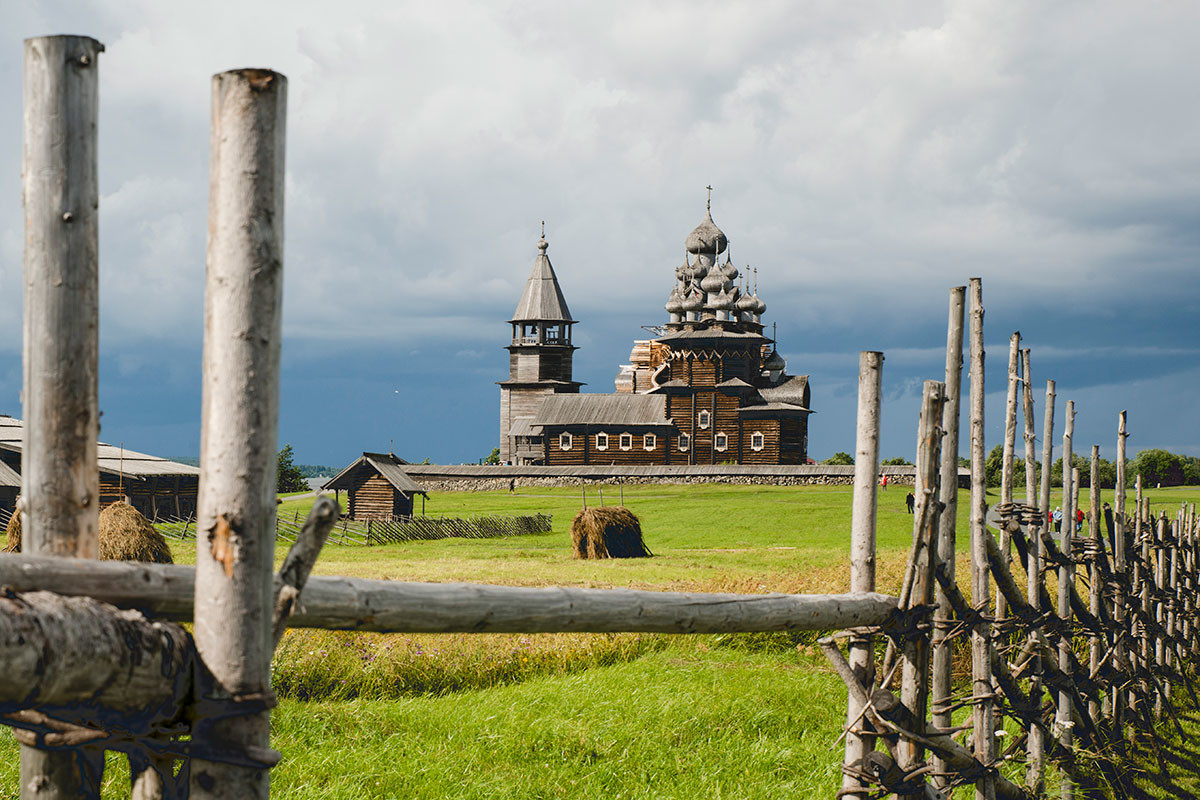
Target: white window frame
721, 441
685, 442
626, 441
762, 441
704, 419
649, 441
601, 441
565, 441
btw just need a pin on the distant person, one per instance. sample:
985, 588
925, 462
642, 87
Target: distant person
1078, 519
883, 482
512, 485
910, 501
1058, 519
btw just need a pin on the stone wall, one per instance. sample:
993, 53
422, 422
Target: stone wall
501, 484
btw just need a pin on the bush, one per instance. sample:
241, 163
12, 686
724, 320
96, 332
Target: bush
840, 458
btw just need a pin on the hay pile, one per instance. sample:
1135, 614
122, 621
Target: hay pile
125, 535
608, 532
13, 532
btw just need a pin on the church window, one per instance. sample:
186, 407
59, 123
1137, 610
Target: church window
685, 442
564, 441
626, 441
601, 441
721, 442
649, 441
757, 440
703, 419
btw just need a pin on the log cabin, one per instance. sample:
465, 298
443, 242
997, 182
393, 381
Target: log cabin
157, 487
711, 389
10, 485
377, 487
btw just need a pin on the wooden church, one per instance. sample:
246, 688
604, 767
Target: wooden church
711, 389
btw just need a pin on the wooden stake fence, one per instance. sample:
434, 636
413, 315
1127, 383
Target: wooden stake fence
148, 689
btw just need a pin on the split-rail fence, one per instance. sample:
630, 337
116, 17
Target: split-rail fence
94, 657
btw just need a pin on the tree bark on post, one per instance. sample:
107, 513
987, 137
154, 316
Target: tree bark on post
1095, 599
240, 406
983, 717
862, 558
60, 481
1121, 567
1035, 745
1006, 461
1066, 579
914, 682
942, 687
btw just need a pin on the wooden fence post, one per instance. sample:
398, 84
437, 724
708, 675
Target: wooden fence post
1095, 599
1006, 460
236, 528
862, 560
1121, 567
60, 483
943, 615
914, 682
983, 716
1035, 744
1066, 579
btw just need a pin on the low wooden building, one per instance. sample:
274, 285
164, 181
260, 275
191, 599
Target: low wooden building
377, 487
10, 485
157, 487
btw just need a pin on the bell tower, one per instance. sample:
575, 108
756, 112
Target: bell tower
539, 360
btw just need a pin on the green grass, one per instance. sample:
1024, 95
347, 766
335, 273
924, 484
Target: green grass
577, 715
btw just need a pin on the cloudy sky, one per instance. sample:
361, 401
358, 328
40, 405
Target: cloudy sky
865, 158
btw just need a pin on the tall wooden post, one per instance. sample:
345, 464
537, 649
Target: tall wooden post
240, 407
1094, 577
983, 717
862, 559
943, 615
1007, 453
1121, 567
1066, 579
914, 681
60, 482
1035, 745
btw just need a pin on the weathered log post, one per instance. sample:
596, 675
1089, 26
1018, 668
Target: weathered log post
60, 482
943, 615
1035, 743
1141, 583
1007, 453
1066, 579
983, 716
240, 407
914, 681
1121, 568
1158, 551
1095, 576
862, 561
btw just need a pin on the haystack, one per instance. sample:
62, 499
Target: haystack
608, 532
13, 532
125, 535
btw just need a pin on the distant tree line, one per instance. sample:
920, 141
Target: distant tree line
1157, 467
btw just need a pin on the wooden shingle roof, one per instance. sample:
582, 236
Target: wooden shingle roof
110, 458
9, 476
388, 465
603, 409
542, 300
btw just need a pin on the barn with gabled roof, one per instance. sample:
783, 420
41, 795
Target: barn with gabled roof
377, 487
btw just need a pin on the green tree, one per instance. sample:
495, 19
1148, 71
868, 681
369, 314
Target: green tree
839, 458
1158, 466
895, 462
289, 478
494, 458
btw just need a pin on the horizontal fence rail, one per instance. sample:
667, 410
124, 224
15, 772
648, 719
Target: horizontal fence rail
165, 592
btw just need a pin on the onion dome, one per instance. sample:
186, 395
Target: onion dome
693, 302
675, 302
746, 304
723, 301
775, 361
759, 306
729, 270
714, 281
706, 237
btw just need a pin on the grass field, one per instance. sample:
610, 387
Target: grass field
575, 715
